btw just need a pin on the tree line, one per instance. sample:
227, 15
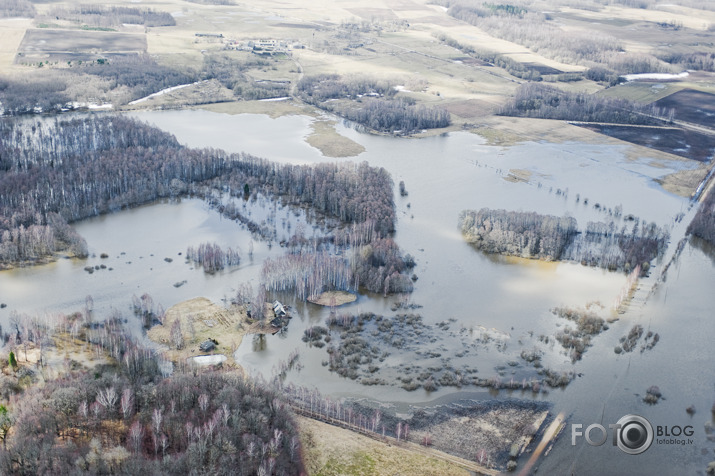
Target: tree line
121, 78
525, 234
533, 29
231, 72
547, 102
511, 66
25, 96
537, 31
370, 102
699, 60
397, 116
547, 237
352, 193
111, 16
17, 8
141, 74
60, 170
321, 87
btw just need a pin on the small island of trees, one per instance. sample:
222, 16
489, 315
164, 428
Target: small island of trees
530, 235
371, 103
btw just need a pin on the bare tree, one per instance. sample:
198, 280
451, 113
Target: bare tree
108, 399
203, 402
136, 435
127, 403
156, 420
177, 336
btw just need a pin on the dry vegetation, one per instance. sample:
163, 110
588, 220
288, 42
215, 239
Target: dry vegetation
331, 144
684, 182
332, 451
200, 320
333, 298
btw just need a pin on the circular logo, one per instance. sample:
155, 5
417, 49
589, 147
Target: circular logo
634, 435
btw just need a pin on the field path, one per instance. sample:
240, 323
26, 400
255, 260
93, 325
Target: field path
300, 76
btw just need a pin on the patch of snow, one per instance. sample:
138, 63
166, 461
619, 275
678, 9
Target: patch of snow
164, 91
89, 105
285, 98
207, 359
655, 76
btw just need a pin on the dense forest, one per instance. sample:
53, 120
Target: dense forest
231, 72
17, 8
211, 257
120, 79
141, 74
540, 32
353, 193
703, 224
377, 265
26, 95
128, 416
531, 235
321, 87
519, 25
518, 233
53, 172
547, 102
370, 102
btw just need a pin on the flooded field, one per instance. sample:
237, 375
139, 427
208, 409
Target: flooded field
145, 251
497, 309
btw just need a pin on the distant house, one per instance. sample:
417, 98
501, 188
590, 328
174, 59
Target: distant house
278, 309
266, 45
207, 346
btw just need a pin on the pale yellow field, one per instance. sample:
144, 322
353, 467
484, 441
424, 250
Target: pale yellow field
11, 32
398, 51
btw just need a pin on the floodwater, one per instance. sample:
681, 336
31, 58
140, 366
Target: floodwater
508, 297
146, 249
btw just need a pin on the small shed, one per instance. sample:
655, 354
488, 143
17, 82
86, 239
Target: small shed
207, 346
278, 309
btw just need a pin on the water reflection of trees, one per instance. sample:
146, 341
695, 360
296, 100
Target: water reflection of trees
259, 342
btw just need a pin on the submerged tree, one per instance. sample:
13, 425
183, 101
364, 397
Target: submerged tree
211, 257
